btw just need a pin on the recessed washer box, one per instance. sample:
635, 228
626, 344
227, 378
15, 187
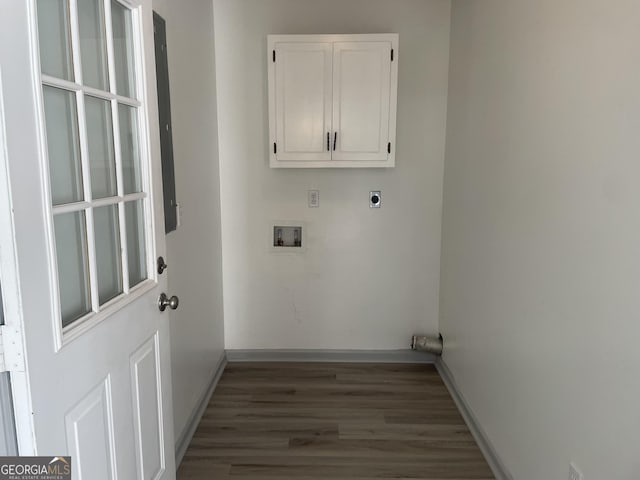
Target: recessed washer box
287, 237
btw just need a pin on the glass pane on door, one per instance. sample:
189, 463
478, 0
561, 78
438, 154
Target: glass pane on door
108, 259
101, 152
63, 145
136, 249
87, 161
93, 47
130, 149
73, 265
123, 50
55, 38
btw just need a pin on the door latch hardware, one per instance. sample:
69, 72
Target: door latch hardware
161, 265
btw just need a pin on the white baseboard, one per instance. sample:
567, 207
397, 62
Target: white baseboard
346, 356
489, 452
183, 441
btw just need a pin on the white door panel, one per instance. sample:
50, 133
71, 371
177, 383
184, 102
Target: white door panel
83, 396
90, 435
362, 75
147, 410
303, 101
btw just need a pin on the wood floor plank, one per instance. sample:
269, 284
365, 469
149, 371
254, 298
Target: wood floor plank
314, 462
386, 431
372, 470
200, 470
298, 413
319, 421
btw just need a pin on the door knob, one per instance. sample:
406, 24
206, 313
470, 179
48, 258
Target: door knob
164, 302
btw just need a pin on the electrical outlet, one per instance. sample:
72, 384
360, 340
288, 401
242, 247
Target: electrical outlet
574, 473
313, 198
375, 199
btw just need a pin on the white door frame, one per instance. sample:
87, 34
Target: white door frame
12, 339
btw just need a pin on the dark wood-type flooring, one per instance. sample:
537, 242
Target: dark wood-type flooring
312, 421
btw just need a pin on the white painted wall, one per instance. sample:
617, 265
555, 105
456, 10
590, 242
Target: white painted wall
541, 232
194, 249
369, 278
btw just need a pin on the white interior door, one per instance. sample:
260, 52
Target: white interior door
302, 101
361, 99
82, 150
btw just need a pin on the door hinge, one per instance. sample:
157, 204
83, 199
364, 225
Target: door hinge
274, 55
392, 54
11, 349
275, 148
389, 147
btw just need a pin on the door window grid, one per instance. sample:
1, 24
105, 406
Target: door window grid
121, 203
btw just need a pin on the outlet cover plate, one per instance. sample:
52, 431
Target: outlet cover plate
375, 199
313, 198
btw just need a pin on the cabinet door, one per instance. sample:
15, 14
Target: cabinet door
361, 100
303, 76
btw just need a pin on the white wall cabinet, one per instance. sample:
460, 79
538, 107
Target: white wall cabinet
332, 100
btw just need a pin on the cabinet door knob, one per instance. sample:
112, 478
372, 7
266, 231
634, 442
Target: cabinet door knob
328, 142
335, 140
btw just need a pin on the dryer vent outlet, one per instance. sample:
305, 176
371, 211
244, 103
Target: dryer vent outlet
423, 343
